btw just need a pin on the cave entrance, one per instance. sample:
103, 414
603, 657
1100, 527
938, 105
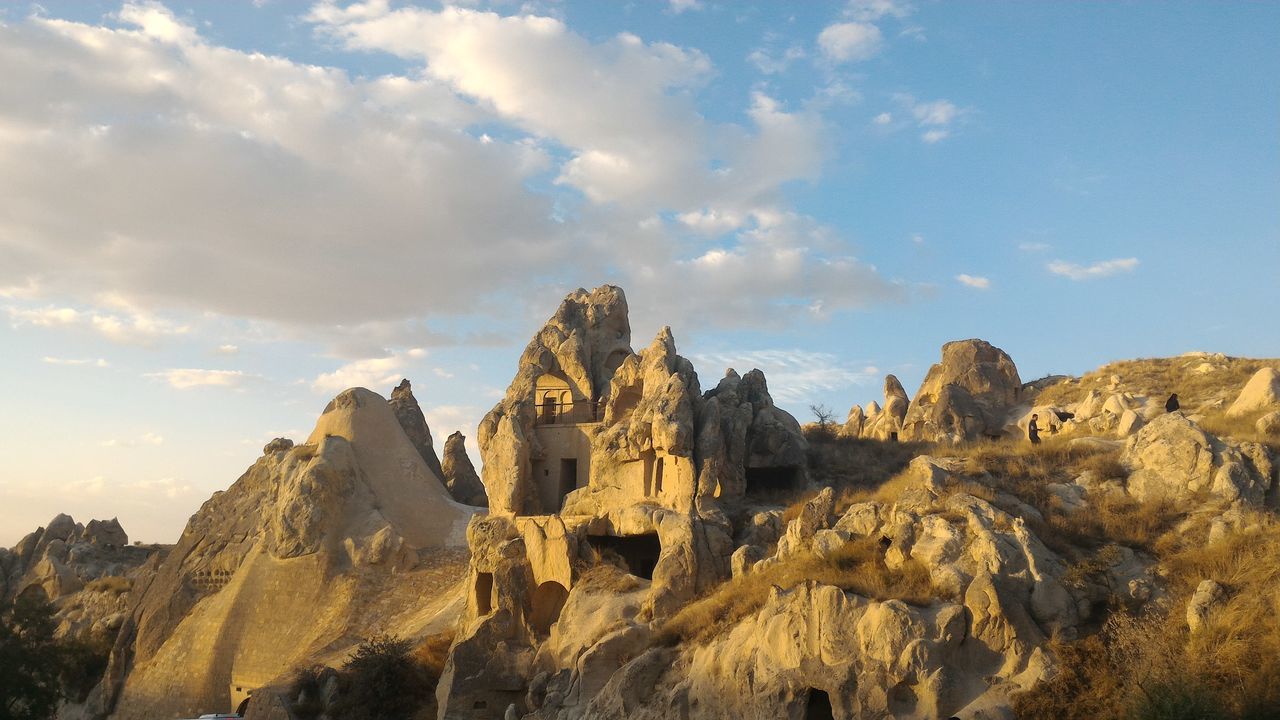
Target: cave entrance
548, 601
818, 706
244, 708
772, 479
639, 552
568, 480
484, 593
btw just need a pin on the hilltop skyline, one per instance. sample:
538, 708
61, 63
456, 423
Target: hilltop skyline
216, 217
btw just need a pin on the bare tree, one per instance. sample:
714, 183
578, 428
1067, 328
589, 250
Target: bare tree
824, 415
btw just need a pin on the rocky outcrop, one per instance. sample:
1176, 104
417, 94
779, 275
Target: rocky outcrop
1172, 458
296, 551
999, 594
854, 423
887, 424
600, 455
574, 355
460, 475
414, 424
966, 396
62, 557
1262, 392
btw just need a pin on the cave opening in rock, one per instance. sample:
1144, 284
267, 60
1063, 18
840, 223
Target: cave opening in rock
548, 601
484, 593
639, 552
765, 480
818, 706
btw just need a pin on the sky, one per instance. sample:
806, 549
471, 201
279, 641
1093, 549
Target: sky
216, 216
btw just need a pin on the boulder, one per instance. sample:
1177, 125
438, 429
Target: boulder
984, 385
1269, 424
1208, 596
1172, 458
1260, 393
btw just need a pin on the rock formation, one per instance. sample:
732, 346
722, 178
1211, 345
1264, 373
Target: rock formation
1262, 392
460, 475
887, 424
62, 557
414, 424
1173, 459
598, 454
966, 396
285, 566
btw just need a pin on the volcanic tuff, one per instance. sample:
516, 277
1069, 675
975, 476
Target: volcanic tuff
654, 550
289, 566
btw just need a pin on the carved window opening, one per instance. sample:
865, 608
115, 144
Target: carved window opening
484, 593
766, 480
639, 553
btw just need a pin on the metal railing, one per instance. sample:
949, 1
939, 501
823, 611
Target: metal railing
584, 411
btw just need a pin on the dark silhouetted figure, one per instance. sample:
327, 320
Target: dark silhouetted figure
1172, 403
1033, 431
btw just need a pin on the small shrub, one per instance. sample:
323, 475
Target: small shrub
382, 681
305, 691
112, 584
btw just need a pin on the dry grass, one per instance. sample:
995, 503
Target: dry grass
432, 652
858, 567
1157, 377
112, 584
1152, 667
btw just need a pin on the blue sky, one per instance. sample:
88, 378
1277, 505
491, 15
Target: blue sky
214, 216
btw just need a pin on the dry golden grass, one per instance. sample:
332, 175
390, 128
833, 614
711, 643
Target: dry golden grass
1152, 667
112, 584
858, 567
1157, 377
432, 652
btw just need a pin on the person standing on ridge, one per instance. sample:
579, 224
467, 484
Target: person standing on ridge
1033, 431
1172, 403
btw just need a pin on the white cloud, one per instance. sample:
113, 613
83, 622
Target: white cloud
974, 281
132, 326
377, 374
795, 377
1101, 269
171, 488
227, 349
873, 10
772, 62
917, 238
100, 362
148, 438
113, 135
1033, 246
850, 41
935, 118
186, 378
883, 118
679, 6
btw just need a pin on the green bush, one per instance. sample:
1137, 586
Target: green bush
31, 662
382, 681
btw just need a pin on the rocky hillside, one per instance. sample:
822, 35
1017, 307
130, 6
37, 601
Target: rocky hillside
654, 550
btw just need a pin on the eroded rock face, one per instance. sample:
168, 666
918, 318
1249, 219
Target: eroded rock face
598, 455
1262, 392
291, 551
1173, 459
564, 372
966, 396
460, 475
414, 423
